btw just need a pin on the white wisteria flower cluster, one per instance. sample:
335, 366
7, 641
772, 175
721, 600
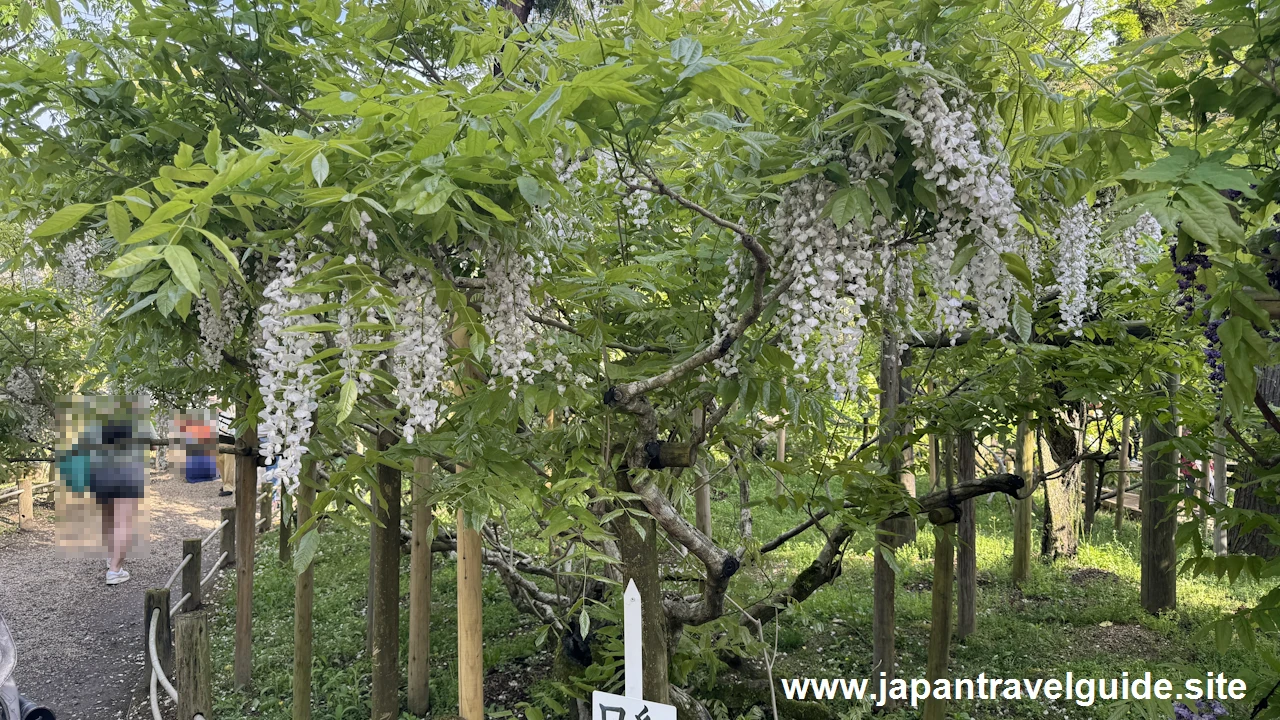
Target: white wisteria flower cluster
505, 307
355, 367
73, 272
420, 356
1129, 251
833, 290
1077, 235
287, 381
218, 325
22, 392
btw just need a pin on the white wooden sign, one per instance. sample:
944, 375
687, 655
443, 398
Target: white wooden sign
632, 706
607, 706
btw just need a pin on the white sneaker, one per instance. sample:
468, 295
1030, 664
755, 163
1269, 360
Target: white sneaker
115, 577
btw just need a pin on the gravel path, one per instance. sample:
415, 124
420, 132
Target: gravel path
80, 645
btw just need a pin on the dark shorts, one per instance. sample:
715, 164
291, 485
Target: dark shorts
115, 483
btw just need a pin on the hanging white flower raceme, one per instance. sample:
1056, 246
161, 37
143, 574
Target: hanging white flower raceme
218, 326
975, 200
73, 272
1077, 235
726, 313
288, 382
420, 355
505, 307
21, 391
833, 291
1128, 248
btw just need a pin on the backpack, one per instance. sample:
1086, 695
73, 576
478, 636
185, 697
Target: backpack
73, 469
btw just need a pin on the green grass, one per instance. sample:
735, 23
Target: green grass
1081, 615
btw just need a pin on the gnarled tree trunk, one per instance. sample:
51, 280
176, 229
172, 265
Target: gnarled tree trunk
1062, 516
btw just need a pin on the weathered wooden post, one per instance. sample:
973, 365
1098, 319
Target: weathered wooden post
1090, 492
1158, 589
1024, 457
385, 691
939, 656
702, 484
884, 579
303, 603
967, 551
191, 573
286, 529
194, 673
1122, 477
778, 487
1219, 497
470, 623
26, 502
158, 599
419, 690
245, 536
227, 540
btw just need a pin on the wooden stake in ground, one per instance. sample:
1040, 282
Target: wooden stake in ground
303, 603
246, 535
286, 529
940, 620
420, 590
702, 484
1025, 452
1158, 591
470, 623
1122, 477
1219, 497
966, 543
778, 487
191, 573
158, 599
884, 579
384, 694
227, 540
1090, 492
26, 502
194, 674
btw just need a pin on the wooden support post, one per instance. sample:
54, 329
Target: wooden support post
1158, 590
246, 494
702, 484
966, 543
227, 540
778, 487
370, 604
1090, 492
286, 529
26, 502
884, 579
194, 673
1024, 457
385, 693
470, 625
1122, 477
303, 603
420, 590
1219, 497
940, 626
191, 574
158, 598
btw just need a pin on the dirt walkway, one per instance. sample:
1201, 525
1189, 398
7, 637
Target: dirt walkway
80, 648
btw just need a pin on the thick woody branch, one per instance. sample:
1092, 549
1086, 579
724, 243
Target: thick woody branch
633, 349
720, 564
824, 568
1003, 482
